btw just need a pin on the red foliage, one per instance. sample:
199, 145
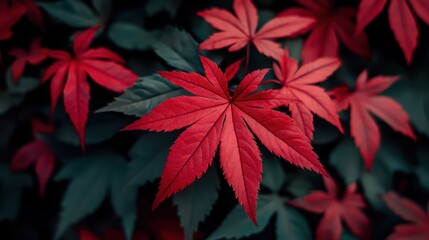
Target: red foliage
216, 116
364, 100
336, 208
69, 75
330, 26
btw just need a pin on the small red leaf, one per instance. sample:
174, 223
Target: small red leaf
365, 100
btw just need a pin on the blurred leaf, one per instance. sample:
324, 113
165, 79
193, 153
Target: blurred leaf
347, 161
422, 169
11, 186
130, 37
273, 175
375, 183
289, 222
143, 96
324, 132
97, 129
24, 85
155, 6
103, 7
195, 202
178, 49
72, 12
148, 156
9, 100
92, 177
392, 157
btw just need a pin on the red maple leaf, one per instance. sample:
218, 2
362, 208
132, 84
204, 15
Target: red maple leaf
419, 229
298, 82
217, 117
365, 99
401, 19
9, 16
36, 55
38, 153
69, 75
336, 207
330, 26
33, 12
240, 30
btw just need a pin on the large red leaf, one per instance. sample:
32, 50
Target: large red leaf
69, 76
364, 101
335, 208
216, 116
331, 25
411, 212
240, 30
35, 56
298, 83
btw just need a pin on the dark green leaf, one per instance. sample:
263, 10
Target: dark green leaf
25, 84
130, 37
97, 129
9, 100
103, 7
422, 169
91, 178
148, 156
179, 50
143, 96
290, 225
72, 12
195, 202
375, 183
347, 161
237, 224
273, 175
11, 186
155, 6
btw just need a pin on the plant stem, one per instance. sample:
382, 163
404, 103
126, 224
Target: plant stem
247, 59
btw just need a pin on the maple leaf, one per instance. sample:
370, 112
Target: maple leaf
69, 75
33, 12
298, 83
240, 30
364, 100
401, 19
330, 26
419, 229
9, 15
217, 117
36, 55
38, 153
336, 208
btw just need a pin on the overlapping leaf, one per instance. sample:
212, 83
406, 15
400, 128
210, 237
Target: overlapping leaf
364, 100
298, 83
237, 32
330, 26
402, 21
69, 76
335, 209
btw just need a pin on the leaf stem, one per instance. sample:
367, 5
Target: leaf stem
247, 59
